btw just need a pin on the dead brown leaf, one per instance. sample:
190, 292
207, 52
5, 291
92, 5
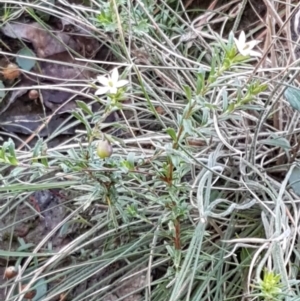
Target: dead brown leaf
58, 69
46, 42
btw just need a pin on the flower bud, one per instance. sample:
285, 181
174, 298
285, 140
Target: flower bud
33, 94
29, 294
104, 149
10, 272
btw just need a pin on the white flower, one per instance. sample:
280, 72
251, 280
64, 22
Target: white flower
111, 83
244, 48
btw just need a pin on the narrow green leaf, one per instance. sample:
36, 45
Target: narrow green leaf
2, 92
188, 92
41, 289
44, 161
172, 133
294, 180
81, 118
84, 107
131, 159
292, 95
13, 161
4, 253
277, 141
43, 14
37, 150
200, 82
188, 126
225, 99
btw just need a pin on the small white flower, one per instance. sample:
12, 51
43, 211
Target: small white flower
244, 48
111, 83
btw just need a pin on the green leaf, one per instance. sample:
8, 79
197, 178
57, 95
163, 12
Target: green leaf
292, 95
37, 148
212, 73
188, 92
42, 14
84, 121
200, 81
44, 161
225, 99
131, 160
11, 148
176, 160
24, 246
188, 126
26, 63
277, 141
7, 153
258, 88
13, 161
84, 107
2, 92
41, 289
172, 133
141, 27
35, 187
294, 180
17, 171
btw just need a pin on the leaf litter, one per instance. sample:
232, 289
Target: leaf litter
60, 68
45, 42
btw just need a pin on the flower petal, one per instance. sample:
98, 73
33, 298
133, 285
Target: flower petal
236, 41
121, 83
102, 90
244, 52
239, 46
113, 90
254, 53
115, 75
252, 44
242, 37
103, 80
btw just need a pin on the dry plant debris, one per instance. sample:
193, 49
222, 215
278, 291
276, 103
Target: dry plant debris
62, 68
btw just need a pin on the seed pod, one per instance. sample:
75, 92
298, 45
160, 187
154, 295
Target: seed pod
33, 94
10, 272
29, 294
160, 110
104, 149
11, 71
